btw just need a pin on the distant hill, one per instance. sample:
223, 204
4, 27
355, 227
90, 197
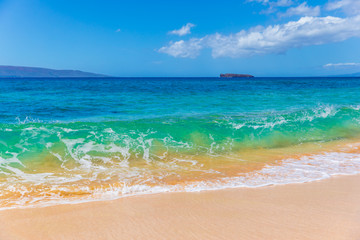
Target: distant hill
23, 72
348, 75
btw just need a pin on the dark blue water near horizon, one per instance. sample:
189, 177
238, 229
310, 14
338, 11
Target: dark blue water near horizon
107, 99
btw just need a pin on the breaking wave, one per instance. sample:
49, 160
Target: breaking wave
58, 162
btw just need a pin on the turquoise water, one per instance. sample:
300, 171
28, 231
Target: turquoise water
68, 100
76, 139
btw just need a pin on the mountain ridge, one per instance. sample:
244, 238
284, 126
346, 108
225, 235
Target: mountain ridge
357, 74
24, 72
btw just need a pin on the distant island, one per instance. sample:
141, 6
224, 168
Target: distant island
23, 72
233, 75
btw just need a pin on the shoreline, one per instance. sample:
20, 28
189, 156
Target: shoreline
325, 209
343, 160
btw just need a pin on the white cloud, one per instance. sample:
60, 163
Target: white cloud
284, 3
259, 1
278, 3
335, 65
184, 49
268, 40
273, 5
350, 7
184, 30
302, 10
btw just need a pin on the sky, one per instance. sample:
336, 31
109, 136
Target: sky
183, 38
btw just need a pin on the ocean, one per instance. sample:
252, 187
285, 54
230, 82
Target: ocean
77, 140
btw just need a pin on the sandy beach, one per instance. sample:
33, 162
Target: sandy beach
328, 209
191, 120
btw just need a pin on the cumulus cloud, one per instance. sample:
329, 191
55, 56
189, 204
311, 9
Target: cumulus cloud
350, 7
336, 65
184, 49
184, 30
269, 40
302, 10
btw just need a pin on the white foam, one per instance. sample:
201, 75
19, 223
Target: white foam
322, 111
306, 169
68, 130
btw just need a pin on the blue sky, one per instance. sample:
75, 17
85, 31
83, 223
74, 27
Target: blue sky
183, 38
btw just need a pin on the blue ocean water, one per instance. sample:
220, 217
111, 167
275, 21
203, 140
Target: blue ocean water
82, 139
66, 100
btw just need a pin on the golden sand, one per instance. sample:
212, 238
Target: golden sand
328, 209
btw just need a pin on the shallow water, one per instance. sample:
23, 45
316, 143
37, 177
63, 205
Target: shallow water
67, 140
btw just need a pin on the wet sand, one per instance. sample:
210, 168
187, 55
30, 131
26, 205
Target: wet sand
327, 209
